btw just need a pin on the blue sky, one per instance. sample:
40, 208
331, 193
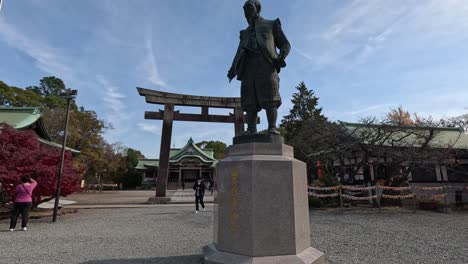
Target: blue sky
360, 57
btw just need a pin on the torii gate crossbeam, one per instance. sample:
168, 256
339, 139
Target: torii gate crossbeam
168, 115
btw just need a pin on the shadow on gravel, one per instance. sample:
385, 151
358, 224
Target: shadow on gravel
190, 259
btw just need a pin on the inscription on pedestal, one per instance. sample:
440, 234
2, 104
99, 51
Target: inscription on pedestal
235, 225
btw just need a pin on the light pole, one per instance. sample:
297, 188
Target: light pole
69, 95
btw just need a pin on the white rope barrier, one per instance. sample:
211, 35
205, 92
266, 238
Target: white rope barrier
428, 188
319, 195
354, 192
398, 197
357, 188
354, 198
398, 189
331, 188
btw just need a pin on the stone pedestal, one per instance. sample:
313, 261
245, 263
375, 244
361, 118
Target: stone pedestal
258, 138
262, 214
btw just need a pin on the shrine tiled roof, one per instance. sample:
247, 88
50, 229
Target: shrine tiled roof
190, 150
57, 145
144, 164
29, 118
444, 137
24, 117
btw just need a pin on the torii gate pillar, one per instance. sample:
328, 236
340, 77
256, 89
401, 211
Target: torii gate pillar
163, 168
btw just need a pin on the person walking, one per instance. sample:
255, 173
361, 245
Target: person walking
23, 202
211, 188
199, 188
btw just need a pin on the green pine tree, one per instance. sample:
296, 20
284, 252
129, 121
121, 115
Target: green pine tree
305, 112
304, 126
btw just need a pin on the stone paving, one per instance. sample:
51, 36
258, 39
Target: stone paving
187, 196
133, 197
173, 234
112, 197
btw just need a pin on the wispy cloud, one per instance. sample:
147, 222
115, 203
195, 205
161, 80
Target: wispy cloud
303, 54
114, 103
48, 59
149, 65
361, 28
368, 110
363, 18
435, 103
154, 129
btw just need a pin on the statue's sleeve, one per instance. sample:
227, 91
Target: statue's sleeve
281, 41
237, 57
239, 47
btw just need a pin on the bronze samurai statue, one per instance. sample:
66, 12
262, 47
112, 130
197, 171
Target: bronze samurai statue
257, 64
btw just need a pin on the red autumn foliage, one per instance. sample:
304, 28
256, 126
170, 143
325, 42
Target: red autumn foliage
21, 154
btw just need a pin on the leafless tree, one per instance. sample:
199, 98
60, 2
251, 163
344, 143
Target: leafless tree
402, 148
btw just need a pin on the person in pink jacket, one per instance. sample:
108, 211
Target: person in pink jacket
23, 202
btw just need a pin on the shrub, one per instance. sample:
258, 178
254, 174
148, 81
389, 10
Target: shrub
315, 202
4, 197
22, 154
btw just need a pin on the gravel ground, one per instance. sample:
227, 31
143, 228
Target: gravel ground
175, 235
391, 236
112, 197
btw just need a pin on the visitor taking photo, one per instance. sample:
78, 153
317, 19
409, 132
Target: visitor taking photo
23, 202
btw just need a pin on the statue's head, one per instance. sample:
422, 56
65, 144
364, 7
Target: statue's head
252, 9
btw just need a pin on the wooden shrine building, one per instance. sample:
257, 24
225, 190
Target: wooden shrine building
186, 164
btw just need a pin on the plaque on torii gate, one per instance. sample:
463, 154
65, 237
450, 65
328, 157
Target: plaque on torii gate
168, 115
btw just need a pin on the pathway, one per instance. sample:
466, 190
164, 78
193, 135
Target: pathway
173, 234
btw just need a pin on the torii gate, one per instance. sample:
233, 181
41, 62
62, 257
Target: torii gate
169, 100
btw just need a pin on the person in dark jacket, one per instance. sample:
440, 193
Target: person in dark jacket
199, 188
211, 188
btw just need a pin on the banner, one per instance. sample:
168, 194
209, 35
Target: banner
438, 197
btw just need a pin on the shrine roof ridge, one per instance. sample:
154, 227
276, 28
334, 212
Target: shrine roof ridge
350, 125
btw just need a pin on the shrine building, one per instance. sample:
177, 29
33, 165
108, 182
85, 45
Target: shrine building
186, 164
30, 118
